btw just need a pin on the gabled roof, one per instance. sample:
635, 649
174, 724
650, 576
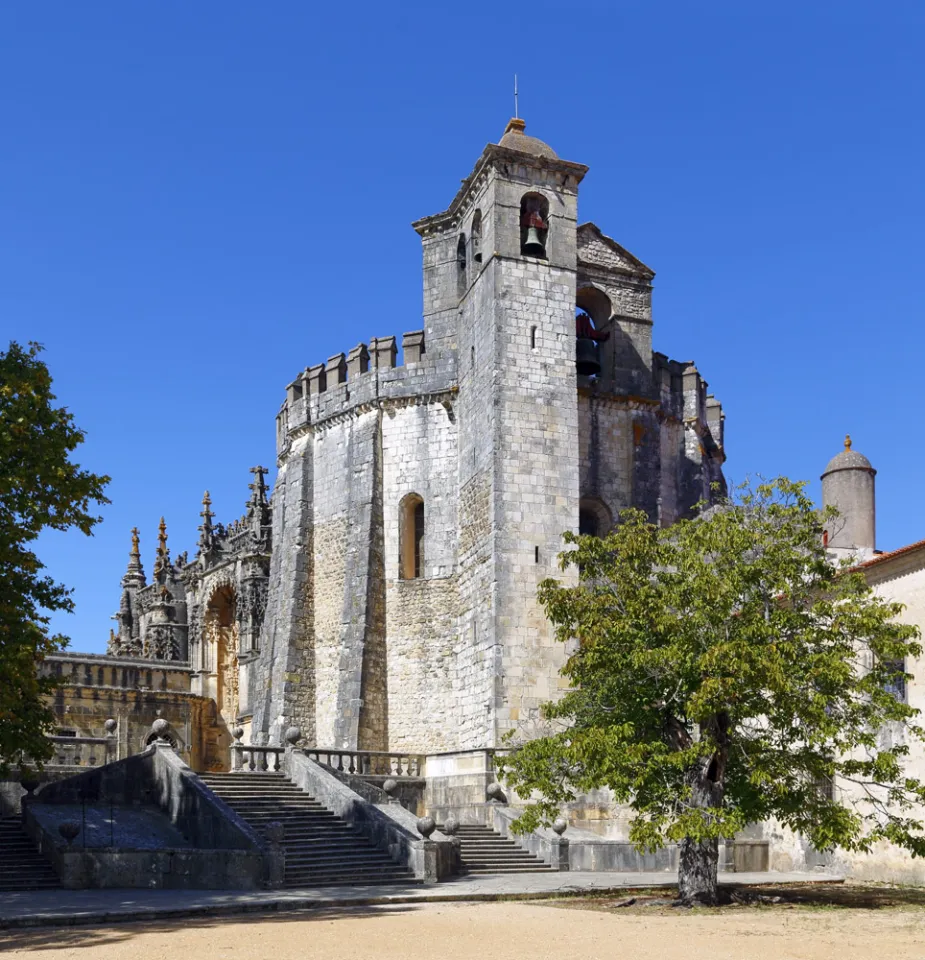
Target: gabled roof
610, 253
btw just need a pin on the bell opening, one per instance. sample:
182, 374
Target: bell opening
587, 359
534, 225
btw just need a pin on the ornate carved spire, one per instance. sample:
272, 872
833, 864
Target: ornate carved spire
258, 506
162, 557
205, 528
134, 573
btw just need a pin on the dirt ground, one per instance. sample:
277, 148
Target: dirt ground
868, 927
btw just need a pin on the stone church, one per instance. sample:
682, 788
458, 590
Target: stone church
384, 596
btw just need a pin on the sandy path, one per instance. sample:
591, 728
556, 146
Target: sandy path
511, 931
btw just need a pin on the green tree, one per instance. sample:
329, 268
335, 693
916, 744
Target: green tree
40, 488
725, 671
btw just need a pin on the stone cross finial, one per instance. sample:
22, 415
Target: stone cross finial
134, 562
258, 506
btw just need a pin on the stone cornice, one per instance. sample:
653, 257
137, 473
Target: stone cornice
443, 397
492, 155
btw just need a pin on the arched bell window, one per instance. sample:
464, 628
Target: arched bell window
534, 225
594, 517
592, 313
411, 537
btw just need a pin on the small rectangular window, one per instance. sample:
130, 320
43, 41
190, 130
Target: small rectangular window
897, 683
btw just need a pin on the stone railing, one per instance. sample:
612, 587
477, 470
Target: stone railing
83, 751
250, 759
369, 763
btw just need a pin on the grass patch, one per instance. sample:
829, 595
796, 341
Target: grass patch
815, 896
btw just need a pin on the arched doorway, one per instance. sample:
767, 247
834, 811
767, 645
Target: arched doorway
220, 655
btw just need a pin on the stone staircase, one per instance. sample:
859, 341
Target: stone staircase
483, 850
22, 867
321, 849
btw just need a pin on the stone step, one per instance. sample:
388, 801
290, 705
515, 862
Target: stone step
323, 880
320, 847
22, 867
362, 859
483, 850
518, 856
353, 874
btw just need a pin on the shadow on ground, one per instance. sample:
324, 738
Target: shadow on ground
92, 937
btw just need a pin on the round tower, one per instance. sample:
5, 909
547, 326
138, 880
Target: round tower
848, 484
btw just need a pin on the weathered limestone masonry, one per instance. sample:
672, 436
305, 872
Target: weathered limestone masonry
384, 597
417, 506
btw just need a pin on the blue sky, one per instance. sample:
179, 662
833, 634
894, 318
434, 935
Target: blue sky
197, 200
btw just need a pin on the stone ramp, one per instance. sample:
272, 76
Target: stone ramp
321, 849
22, 867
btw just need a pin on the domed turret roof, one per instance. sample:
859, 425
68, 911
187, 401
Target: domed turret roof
515, 139
848, 459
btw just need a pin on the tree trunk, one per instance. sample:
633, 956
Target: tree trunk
697, 872
698, 859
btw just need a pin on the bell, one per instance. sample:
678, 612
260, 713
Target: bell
533, 245
587, 362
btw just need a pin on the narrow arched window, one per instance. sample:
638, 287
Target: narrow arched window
533, 338
477, 237
411, 537
461, 265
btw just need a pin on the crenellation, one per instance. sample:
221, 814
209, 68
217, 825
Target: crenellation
336, 370
357, 361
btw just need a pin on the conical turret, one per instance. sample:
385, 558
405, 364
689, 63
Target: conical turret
848, 485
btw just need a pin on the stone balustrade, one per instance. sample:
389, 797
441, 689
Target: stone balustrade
247, 758
369, 763
83, 751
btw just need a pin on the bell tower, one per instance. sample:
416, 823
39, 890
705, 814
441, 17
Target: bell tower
499, 296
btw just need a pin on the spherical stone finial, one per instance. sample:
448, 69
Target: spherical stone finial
274, 831
111, 725
560, 825
496, 792
237, 733
390, 787
29, 784
450, 826
426, 826
69, 830
159, 728
293, 735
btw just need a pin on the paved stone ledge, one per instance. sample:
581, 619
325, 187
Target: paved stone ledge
40, 908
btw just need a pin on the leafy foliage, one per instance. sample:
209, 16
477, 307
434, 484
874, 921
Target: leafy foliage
725, 671
40, 488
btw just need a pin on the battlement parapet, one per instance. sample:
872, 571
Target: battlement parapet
684, 393
367, 373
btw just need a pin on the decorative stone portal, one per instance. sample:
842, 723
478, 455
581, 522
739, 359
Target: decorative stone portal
221, 663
